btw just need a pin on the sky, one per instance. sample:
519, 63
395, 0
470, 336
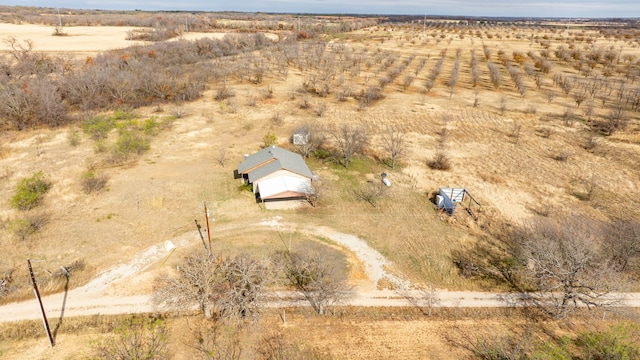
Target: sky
514, 8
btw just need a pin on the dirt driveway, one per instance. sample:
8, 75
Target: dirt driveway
97, 296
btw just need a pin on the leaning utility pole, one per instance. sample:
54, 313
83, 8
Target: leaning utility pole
44, 316
59, 18
206, 214
424, 22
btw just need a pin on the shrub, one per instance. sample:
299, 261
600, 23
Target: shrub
73, 137
20, 228
97, 127
439, 162
101, 146
24, 227
5, 282
269, 139
224, 93
502, 347
135, 338
589, 142
561, 156
92, 182
131, 142
245, 187
29, 192
151, 126
368, 96
276, 119
615, 343
58, 31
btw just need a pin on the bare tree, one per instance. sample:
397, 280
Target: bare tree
424, 298
312, 272
579, 96
350, 140
453, 77
407, 80
615, 120
228, 287
475, 75
494, 74
19, 51
393, 142
623, 242
550, 96
516, 130
539, 80
487, 52
369, 192
563, 262
503, 104
315, 191
433, 75
222, 156
368, 96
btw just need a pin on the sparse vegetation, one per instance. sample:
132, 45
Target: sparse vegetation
29, 191
135, 338
73, 137
24, 227
544, 122
130, 142
269, 139
98, 127
92, 181
440, 161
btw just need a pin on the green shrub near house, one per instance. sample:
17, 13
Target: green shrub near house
132, 142
97, 127
29, 192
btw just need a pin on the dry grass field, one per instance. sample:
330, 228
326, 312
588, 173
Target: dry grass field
354, 333
555, 143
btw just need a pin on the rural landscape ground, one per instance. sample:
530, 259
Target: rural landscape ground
537, 120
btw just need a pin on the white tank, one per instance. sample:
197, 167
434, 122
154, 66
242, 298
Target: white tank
439, 201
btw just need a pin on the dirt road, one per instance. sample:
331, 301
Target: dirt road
94, 298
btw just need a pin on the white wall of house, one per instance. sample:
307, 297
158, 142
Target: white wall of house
282, 172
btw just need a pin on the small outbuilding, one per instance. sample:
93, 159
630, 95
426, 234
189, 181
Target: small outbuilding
447, 199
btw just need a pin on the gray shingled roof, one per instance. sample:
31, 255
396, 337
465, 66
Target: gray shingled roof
271, 159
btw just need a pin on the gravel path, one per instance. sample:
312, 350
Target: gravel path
94, 298
374, 263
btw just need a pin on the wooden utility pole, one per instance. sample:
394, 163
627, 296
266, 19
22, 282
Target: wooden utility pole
206, 214
44, 316
59, 18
